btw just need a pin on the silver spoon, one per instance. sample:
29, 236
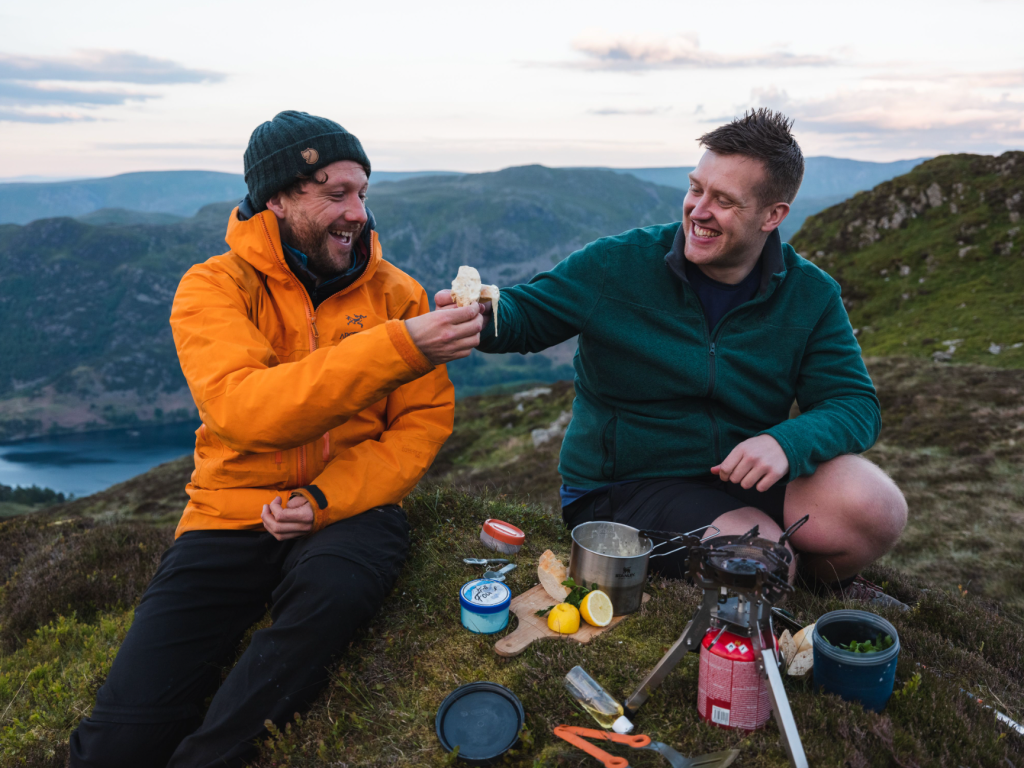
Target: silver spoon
499, 575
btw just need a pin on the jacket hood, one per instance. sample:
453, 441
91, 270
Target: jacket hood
256, 238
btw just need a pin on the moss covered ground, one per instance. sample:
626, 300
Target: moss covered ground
379, 707
952, 439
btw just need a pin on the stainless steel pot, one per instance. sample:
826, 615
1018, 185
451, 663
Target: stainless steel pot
615, 557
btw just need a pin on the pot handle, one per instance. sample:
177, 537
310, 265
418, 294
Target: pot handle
686, 540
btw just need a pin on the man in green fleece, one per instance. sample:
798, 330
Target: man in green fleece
695, 338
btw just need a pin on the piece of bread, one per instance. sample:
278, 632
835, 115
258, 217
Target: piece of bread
787, 646
467, 289
803, 640
552, 573
802, 664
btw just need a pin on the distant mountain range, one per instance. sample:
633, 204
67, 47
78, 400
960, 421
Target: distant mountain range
929, 262
828, 180
85, 305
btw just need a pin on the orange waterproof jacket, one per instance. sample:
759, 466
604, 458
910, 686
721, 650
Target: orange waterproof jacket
336, 403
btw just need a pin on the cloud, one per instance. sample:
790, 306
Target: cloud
31, 94
606, 52
170, 145
1011, 78
613, 111
940, 119
11, 116
102, 66
28, 82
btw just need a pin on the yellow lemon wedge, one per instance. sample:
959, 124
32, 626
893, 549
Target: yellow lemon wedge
564, 619
596, 609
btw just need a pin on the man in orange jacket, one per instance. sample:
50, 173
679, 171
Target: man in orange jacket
317, 369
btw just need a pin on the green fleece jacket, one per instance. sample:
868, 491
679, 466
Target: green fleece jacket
659, 394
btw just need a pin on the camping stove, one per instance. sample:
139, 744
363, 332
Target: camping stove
744, 578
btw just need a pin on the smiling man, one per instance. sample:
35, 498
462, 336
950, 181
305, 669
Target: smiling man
695, 338
318, 373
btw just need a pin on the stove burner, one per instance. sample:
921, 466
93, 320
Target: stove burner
741, 566
743, 578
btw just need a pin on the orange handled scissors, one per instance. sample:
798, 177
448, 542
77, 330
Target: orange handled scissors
573, 734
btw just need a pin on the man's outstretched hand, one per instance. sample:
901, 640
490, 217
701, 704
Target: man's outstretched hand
448, 335
758, 461
443, 300
290, 521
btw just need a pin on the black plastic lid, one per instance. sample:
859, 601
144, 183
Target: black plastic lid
482, 719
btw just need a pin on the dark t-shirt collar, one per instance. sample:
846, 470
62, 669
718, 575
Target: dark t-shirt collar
771, 258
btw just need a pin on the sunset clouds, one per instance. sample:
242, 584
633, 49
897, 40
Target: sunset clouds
112, 86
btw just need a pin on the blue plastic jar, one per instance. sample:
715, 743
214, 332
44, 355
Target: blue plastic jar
864, 677
485, 606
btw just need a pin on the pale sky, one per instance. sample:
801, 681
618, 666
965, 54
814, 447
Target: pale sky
104, 87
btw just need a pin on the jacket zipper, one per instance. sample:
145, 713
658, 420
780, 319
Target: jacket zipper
715, 437
712, 368
314, 335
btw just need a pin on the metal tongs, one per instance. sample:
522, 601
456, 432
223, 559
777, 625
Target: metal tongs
573, 734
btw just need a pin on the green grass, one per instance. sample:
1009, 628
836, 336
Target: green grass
379, 707
953, 439
952, 269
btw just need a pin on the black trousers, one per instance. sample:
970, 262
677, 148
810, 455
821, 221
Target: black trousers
675, 504
212, 586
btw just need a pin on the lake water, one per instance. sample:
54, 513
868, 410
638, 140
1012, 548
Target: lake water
86, 463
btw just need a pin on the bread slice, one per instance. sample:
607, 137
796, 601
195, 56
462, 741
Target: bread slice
467, 289
802, 664
803, 640
787, 646
552, 573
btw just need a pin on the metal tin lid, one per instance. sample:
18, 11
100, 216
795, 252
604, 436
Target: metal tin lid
482, 719
504, 532
485, 596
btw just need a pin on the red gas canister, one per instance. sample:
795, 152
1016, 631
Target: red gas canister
730, 692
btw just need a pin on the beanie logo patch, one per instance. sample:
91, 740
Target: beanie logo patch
310, 156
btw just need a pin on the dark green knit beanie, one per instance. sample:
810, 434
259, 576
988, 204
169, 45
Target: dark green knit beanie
294, 144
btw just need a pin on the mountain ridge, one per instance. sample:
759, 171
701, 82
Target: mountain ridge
182, 193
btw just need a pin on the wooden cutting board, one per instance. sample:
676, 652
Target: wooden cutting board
533, 627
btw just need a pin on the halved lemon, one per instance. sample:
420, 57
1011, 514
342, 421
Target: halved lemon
564, 619
596, 609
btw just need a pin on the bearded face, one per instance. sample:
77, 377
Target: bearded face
325, 216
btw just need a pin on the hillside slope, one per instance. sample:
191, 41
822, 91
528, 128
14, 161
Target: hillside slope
932, 262
70, 575
86, 307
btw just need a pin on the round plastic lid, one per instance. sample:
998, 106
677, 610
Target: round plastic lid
482, 719
485, 596
504, 532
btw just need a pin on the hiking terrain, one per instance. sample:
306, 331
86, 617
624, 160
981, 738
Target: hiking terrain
72, 572
952, 438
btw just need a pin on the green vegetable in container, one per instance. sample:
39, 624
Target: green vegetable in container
877, 645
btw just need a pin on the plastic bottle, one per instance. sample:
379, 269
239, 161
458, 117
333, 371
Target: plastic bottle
596, 700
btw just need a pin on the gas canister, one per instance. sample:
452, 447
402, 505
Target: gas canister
730, 692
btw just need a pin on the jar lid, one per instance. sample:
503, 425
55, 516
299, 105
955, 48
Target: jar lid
485, 596
504, 532
482, 719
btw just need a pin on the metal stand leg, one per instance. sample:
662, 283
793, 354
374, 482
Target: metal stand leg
783, 714
687, 641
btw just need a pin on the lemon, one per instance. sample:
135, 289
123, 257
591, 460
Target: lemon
596, 609
564, 619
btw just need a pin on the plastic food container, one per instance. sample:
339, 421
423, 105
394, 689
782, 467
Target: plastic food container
483, 720
485, 606
501, 536
864, 677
